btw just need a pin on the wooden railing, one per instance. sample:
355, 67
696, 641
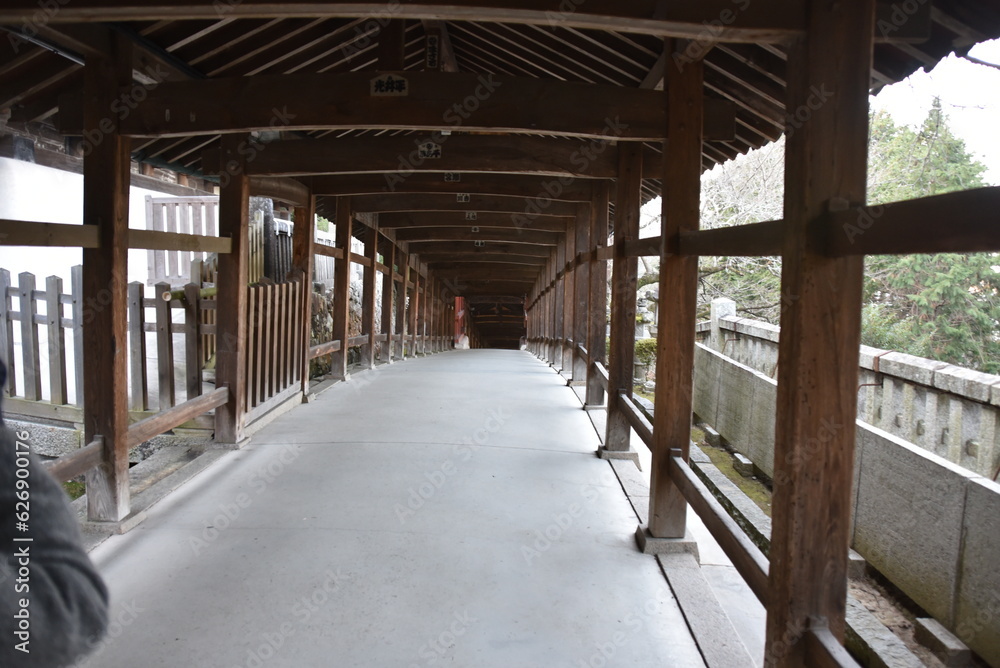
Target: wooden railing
274, 342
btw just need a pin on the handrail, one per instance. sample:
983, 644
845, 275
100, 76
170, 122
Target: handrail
602, 375
636, 419
581, 351
823, 650
749, 561
161, 422
324, 349
77, 462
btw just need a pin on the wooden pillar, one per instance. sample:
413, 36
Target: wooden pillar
231, 316
554, 352
569, 297
105, 280
678, 294
414, 304
559, 314
597, 320
388, 289
369, 325
624, 277
401, 260
303, 242
825, 169
391, 44
581, 291
342, 288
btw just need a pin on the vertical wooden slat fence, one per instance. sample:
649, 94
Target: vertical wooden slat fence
274, 344
186, 215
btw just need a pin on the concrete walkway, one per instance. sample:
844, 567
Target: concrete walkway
445, 511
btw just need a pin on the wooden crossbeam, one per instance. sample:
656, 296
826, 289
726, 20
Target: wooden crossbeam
485, 234
511, 185
409, 202
401, 221
457, 259
399, 157
433, 101
772, 21
469, 248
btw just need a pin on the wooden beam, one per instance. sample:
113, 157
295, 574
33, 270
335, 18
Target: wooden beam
285, 190
25, 233
408, 202
449, 63
598, 295
391, 46
754, 239
388, 289
676, 311
485, 234
624, 279
758, 22
916, 226
105, 280
511, 185
232, 299
77, 462
156, 240
399, 156
433, 102
342, 287
403, 262
369, 323
142, 431
825, 162
445, 260
469, 249
457, 219
581, 289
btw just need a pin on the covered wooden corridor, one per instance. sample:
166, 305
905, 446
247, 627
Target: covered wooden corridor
497, 152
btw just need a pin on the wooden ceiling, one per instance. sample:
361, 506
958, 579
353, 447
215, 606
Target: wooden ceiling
559, 80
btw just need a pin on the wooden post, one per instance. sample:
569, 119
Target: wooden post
31, 365
76, 289
829, 71
164, 347
555, 311
581, 291
192, 339
231, 300
342, 288
568, 298
404, 271
303, 242
388, 288
623, 287
57, 340
678, 294
414, 304
597, 320
137, 346
369, 326
105, 277
7, 333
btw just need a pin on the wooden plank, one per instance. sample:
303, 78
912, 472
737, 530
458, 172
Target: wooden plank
484, 234
361, 259
328, 251
414, 304
170, 223
343, 101
763, 22
159, 258
167, 241
283, 190
402, 261
104, 280
253, 347
57, 340
749, 561
323, 349
164, 349
142, 431
914, 226
824, 651
7, 333
825, 161
192, 339
624, 279
675, 345
508, 185
528, 206
137, 347
388, 290
403, 222
369, 279
25, 233
231, 311
341, 287
31, 367
512, 154
77, 462
754, 239
303, 248
76, 289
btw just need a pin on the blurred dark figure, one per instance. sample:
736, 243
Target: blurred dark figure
53, 604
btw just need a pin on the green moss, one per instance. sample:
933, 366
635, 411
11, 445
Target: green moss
755, 489
75, 489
